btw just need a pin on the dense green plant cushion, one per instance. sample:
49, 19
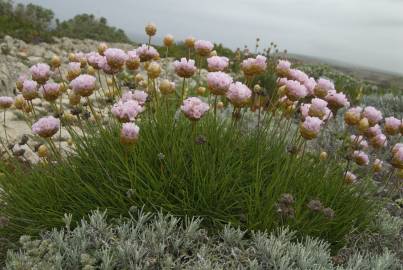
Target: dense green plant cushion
165, 242
214, 170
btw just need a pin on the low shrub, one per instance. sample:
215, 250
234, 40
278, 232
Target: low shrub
165, 242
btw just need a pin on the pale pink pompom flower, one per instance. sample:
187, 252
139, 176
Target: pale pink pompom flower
358, 142
373, 131
133, 60
40, 73
203, 47
129, 133
322, 88
353, 115
239, 94
46, 126
50, 91
295, 90
310, 128
361, 158
310, 85
217, 63
185, 68
379, 141
126, 111
218, 82
83, 85
137, 95
397, 158
115, 57
349, 177
283, 67
93, 59
372, 114
337, 100
304, 109
6, 102
254, 66
392, 125
318, 108
396, 147
147, 53
29, 89
194, 108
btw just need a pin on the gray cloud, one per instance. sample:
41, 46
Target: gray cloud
361, 32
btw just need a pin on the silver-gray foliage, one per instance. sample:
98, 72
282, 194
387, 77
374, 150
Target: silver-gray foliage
165, 242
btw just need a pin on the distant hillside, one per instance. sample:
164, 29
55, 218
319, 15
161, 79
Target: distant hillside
33, 23
383, 79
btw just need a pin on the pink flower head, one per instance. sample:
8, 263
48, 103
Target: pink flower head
350, 177
203, 47
29, 89
373, 131
137, 95
126, 111
239, 94
361, 158
298, 75
133, 61
73, 70
358, 142
337, 100
397, 159
6, 102
281, 81
93, 59
83, 85
373, 115
283, 67
217, 63
20, 81
353, 116
254, 66
323, 86
379, 141
115, 57
40, 73
295, 90
194, 108
396, 147
218, 82
392, 125
185, 68
50, 91
46, 126
80, 57
103, 64
318, 108
147, 53
304, 109
129, 133
310, 128
310, 85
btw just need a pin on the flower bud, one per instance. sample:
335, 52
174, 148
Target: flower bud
349, 178
151, 29
55, 61
43, 151
74, 99
377, 166
167, 87
363, 125
109, 81
19, 102
72, 57
102, 48
201, 90
91, 70
138, 78
220, 105
168, 40
323, 155
153, 70
190, 42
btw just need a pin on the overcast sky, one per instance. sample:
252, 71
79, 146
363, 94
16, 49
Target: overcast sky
361, 32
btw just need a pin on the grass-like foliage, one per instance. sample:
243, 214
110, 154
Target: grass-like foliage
211, 169
164, 242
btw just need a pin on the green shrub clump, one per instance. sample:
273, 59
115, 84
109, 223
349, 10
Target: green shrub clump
165, 242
